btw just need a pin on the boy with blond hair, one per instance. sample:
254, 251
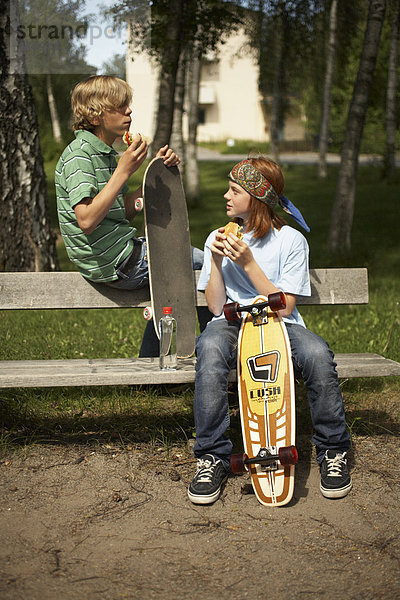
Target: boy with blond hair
93, 203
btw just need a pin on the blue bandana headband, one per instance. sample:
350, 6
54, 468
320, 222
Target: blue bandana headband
254, 182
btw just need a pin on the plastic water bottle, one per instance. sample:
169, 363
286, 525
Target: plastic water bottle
167, 327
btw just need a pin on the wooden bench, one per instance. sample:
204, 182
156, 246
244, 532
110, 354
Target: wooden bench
62, 290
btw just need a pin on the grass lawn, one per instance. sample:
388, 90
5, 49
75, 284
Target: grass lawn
138, 414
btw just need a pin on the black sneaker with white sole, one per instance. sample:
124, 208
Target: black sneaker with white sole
335, 476
208, 481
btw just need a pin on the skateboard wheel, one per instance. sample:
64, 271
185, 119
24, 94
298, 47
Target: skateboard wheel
237, 463
139, 204
230, 311
288, 455
147, 313
277, 301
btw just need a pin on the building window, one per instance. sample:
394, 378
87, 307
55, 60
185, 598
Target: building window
202, 116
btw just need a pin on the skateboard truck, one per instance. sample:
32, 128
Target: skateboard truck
267, 458
276, 301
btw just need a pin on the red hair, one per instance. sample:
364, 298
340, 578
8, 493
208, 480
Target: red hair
262, 217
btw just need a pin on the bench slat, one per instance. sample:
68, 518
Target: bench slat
81, 372
365, 365
337, 286
63, 290
142, 371
71, 290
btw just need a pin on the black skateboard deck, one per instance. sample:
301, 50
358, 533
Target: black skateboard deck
169, 252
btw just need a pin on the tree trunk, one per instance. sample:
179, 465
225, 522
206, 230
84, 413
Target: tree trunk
193, 89
55, 121
176, 141
277, 88
391, 94
326, 107
339, 239
169, 67
26, 240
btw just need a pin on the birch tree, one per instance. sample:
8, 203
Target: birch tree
391, 95
277, 87
55, 119
339, 239
326, 105
51, 31
193, 90
169, 60
176, 139
26, 240
281, 33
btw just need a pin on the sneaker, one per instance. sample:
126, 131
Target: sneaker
335, 476
207, 483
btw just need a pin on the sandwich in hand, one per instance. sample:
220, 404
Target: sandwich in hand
128, 138
234, 228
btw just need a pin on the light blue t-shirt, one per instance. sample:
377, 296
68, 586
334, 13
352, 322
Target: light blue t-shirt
282, 256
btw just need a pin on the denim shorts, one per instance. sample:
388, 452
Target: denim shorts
136, 277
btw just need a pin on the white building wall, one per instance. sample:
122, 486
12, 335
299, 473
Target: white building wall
142, 76
229, 97
233, 84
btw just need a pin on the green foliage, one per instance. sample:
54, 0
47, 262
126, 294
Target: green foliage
51, 149
307, 82
306, 26
52, 32
62, 86
55, 58
200, 21
115, 66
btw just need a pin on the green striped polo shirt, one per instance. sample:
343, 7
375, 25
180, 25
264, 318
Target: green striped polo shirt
84, 168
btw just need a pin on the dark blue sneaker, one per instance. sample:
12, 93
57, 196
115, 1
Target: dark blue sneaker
208, 481
335, 476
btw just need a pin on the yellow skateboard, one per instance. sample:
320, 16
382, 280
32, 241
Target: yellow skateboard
266, 399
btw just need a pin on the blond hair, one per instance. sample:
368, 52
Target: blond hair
92, 96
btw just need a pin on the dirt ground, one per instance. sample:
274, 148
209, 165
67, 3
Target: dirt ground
115, 522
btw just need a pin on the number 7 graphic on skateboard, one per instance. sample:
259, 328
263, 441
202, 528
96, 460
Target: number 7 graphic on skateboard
266, 399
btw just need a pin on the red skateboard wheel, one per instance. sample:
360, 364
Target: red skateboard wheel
147, 313
277, 301
230, 311
237, 463
139, 204
288, 455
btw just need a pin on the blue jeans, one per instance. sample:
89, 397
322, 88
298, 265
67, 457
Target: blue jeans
313, 361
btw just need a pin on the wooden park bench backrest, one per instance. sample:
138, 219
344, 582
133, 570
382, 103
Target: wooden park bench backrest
71, 290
